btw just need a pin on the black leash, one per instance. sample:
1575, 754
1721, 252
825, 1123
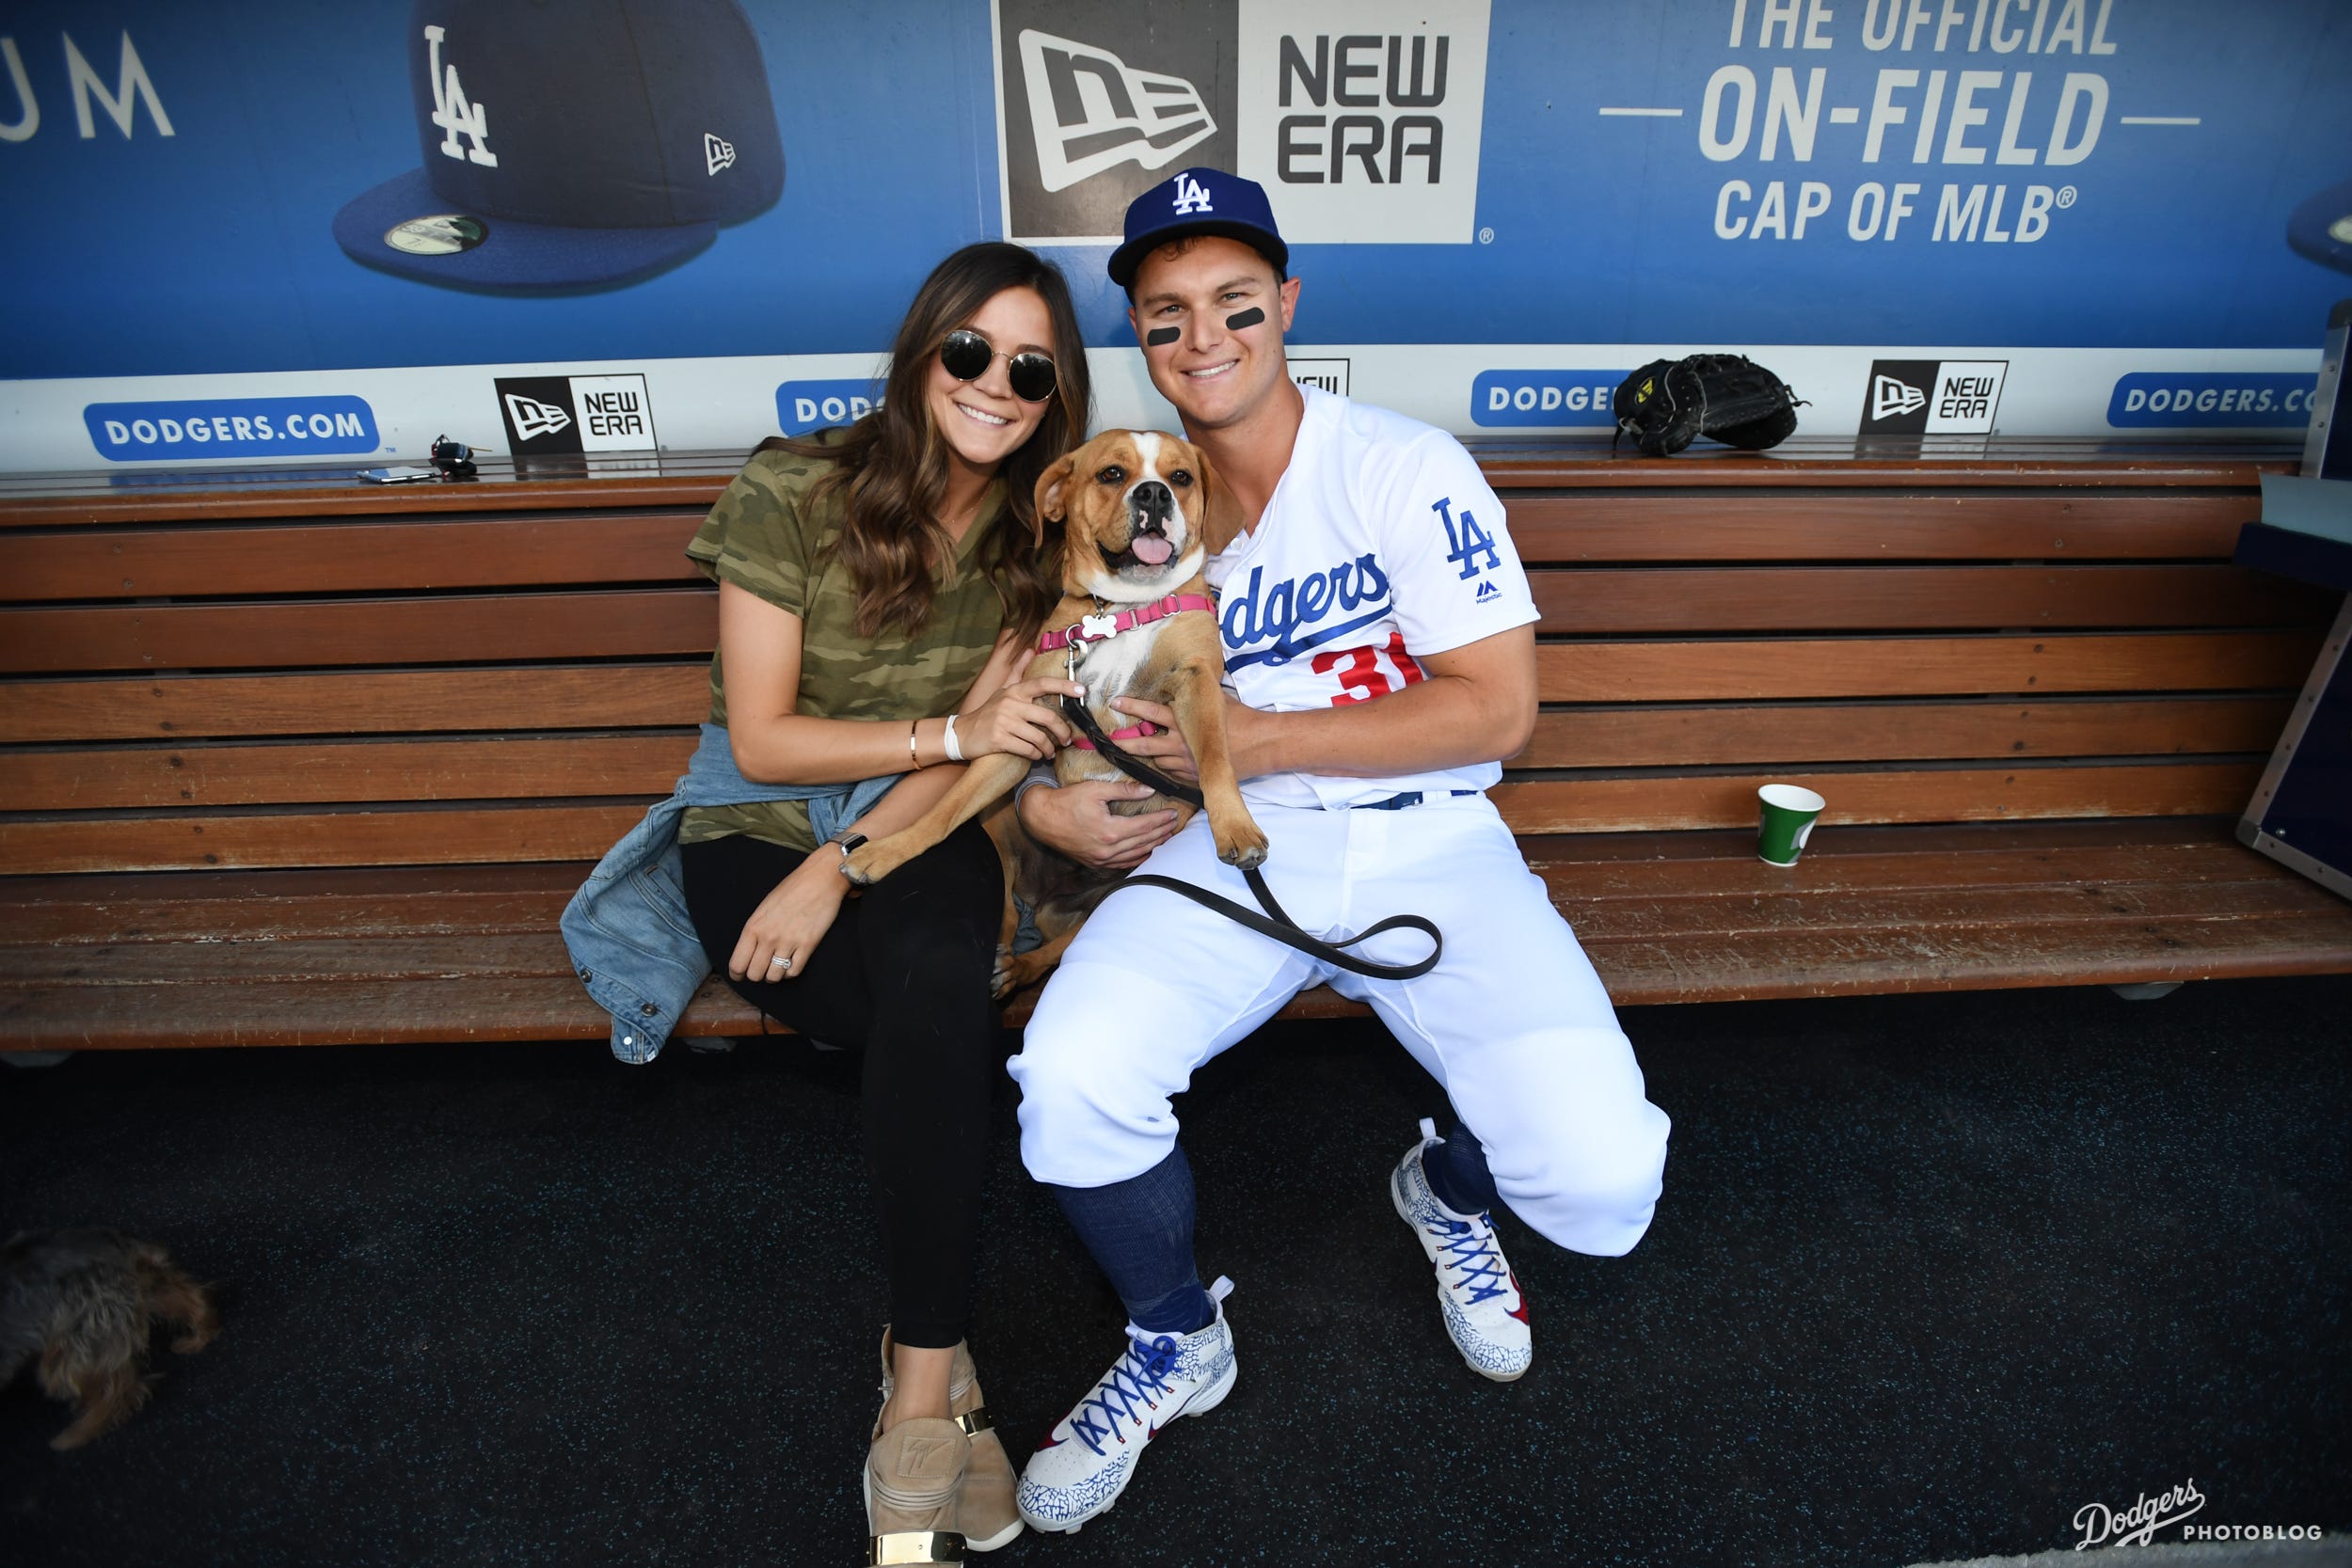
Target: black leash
1280, 926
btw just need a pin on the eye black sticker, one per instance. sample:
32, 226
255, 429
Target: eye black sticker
1240, 318
1161, 335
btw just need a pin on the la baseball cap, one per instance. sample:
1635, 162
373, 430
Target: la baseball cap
2321, 228
1197, 201
571, 147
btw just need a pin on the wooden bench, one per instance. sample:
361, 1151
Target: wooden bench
293, 762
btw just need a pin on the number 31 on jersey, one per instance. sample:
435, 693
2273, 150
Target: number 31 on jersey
1360, 672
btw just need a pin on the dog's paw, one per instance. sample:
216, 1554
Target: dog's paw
867, 865
1243, 845
1016, 972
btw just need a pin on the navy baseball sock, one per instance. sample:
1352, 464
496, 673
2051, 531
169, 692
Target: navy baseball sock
1140, 1231
1457, 1173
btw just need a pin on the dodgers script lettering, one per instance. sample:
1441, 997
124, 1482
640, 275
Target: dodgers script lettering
1287, 615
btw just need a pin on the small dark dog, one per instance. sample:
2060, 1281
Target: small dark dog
80, 1304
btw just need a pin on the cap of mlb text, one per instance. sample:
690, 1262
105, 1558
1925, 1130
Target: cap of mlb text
572, 146
1197, 201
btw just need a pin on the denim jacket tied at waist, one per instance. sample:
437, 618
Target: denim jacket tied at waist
632, 942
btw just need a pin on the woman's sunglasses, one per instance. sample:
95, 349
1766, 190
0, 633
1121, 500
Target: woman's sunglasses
966, 356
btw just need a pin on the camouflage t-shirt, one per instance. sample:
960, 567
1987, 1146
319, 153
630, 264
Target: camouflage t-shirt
765, 537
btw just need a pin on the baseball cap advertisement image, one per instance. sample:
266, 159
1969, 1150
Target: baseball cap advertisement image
571, 147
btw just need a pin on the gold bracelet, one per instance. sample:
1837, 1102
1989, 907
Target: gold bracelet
913, 761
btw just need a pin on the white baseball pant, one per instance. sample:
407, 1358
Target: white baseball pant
1512, 1022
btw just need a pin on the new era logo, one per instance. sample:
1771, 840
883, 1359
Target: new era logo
1190, 197
718, 155
532, 419
549, 413
1329, 374
1889, 397
1932, 397
1090, 111
1363, 119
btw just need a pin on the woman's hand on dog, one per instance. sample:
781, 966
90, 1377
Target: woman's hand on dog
1023, 718
1077, 821
790, 921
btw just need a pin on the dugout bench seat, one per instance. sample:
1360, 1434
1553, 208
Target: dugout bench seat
291, 759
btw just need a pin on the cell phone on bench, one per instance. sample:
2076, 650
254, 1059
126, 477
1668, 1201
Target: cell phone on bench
398, 476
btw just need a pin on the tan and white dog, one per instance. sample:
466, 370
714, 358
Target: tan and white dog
1136, 620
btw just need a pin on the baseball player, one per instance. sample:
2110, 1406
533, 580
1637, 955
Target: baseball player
1381, 660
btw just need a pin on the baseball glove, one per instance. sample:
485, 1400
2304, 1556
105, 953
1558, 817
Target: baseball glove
1724, 397
1660, 406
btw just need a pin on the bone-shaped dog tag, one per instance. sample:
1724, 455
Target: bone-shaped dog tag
1095, 627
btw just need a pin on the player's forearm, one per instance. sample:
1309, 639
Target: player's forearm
1443, 722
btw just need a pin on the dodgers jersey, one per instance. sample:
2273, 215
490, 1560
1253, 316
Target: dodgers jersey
1382, 540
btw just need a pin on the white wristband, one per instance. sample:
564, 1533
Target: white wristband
955, 752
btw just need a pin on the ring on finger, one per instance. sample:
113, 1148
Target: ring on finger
780, 964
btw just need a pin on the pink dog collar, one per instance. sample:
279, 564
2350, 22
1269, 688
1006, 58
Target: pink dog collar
1095, 629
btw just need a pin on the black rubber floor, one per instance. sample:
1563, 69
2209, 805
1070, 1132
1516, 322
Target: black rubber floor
1931, 1275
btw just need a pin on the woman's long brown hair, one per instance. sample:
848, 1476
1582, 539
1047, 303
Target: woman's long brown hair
891, 465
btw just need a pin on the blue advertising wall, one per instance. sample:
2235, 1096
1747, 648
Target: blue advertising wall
1999, 177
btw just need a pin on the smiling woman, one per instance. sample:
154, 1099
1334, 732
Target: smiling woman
878, 589
878, 586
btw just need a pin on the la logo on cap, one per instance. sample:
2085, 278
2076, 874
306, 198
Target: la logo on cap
453, 113
1190, 196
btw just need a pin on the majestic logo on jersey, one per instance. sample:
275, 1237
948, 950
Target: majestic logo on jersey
1275, 622
717, 153
452, 112
1466, 541
1190, 197
1487, 591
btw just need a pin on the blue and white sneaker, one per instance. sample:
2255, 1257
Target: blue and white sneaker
1091, 1453
1478, 1295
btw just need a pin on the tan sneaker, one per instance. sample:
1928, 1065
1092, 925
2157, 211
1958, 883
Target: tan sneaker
988, 1517
913, 1474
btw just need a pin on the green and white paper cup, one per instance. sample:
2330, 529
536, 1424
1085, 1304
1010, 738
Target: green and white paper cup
1789, 813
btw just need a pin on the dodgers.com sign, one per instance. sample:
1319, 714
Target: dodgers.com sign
803, 407
230, 427
1549, 398
2209, 400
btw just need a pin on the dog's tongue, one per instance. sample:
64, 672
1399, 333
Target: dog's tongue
1153, 549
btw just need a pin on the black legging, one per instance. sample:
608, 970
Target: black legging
905, 974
